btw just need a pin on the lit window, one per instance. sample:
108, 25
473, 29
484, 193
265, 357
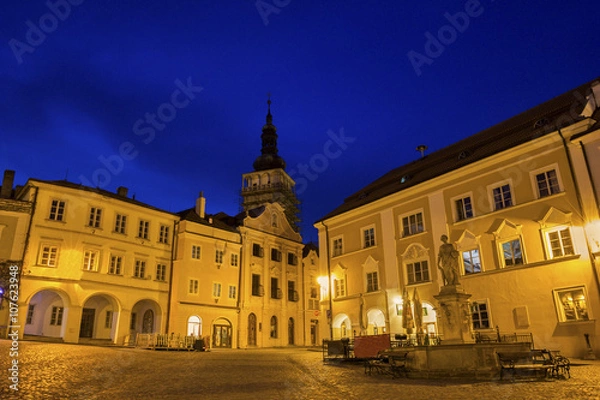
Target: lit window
512, 252
193, 286
369, 237
502, 197
161, 272
471, 261
560, 242
90, 260
337, 247
372, 282
480, 315
140, 268
547, 183
115, 265
412, 224
48, 255
57, 210
417, 272
196, 252
120, 223
163, 234
56, 316
572, 304
143, 229
95, 217
464, 209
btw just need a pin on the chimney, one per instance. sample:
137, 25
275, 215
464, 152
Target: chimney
7, 184
122, 191
201, 205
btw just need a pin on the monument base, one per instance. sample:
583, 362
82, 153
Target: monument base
454, 313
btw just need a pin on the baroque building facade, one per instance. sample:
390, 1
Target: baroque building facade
101, 266
519, 203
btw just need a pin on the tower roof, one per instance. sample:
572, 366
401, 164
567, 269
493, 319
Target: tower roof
269, 158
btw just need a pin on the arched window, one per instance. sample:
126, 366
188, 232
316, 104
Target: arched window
274, 327
194, 326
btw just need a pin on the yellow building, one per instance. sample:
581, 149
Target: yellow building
519, 203
205, 285
97, 264
14, 224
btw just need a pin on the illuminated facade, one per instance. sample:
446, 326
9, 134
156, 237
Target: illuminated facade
100, 266
519, 202
97, 264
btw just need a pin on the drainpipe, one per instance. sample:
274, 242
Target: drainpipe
241, 270
580, 201
330, 289
175, 242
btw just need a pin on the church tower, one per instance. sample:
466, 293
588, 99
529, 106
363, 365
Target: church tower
269, 183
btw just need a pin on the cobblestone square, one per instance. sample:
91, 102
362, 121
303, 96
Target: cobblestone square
62, 371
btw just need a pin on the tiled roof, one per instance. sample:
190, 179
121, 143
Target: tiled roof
99, 191
524, 127
219, 221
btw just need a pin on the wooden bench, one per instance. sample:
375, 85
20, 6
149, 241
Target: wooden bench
391, 363
530, 361
561, 366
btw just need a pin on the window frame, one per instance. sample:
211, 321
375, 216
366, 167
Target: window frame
115, 264
368, 240
58, 214
120, 223
406, 231
143, 229
161, 272
337, 246
545, 170
411, 265
232, 292
49, 260
163, 233
548, 241
193, 286
501, 251
139, 268
95, 217
500, 185
196, 249
95, 260
219, 256
476, 310
56, 315
463, 208
234, 259
372, 285
464, 268
581, 314
217, 289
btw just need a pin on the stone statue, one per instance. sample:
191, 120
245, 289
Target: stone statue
448, 262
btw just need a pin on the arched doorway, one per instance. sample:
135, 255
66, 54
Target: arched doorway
99, 318
47, 315
148, 322
222, 333
194, 326
376, 320
342, 328
291, 329
145, 317
252, 329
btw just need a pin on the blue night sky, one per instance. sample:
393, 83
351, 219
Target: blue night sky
169, 98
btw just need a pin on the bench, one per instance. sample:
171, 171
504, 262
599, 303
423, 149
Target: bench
561, 366
391, 363
530, 361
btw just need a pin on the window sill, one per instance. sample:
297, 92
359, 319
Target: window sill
573, 323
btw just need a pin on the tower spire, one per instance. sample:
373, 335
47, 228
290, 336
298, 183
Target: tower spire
269, 158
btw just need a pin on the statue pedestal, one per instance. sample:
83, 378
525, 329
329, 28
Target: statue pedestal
454, 314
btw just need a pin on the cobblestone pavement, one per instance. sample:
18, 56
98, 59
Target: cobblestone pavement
63, 371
